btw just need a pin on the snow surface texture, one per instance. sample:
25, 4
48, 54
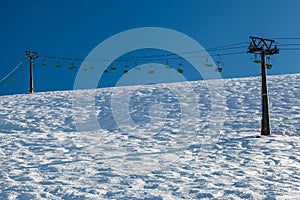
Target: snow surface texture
43, 156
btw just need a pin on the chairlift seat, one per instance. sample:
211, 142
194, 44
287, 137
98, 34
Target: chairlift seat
180, 71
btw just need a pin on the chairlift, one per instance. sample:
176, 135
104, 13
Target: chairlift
112, 67
180, 70
72, 66
219, 69
57, 65
136, 65
256, 60
44, 62
219, 65
126, 69
167, 63
151, 71
268, 64
207, 63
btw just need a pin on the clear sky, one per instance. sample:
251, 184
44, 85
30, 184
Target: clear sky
72, 29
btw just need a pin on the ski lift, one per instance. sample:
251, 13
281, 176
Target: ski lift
151, 71
256, 60
167, 63
219, 67
136, 65
126, 69
44, 62
268, 64
72, 66
112, 67
180, 70
207, 63
57, 65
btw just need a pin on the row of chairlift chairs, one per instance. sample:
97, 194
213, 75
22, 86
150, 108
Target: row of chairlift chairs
179, 69
150, 71
219, 67
269, 62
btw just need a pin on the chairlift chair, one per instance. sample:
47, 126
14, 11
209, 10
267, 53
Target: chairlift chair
180, 70
44, 62
72, 66
207, 63
126, 70
219, 65
112, 67
57, 65
151, 71
219, 69
256, 60
268, 64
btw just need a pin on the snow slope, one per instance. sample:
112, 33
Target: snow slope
43, 156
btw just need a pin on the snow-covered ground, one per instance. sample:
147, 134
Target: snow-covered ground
43, 156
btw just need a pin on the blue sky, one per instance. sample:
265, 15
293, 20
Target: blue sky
72, 29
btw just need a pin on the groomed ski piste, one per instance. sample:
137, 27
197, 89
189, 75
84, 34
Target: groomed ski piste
44, 155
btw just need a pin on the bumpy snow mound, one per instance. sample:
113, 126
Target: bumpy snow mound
43, 156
